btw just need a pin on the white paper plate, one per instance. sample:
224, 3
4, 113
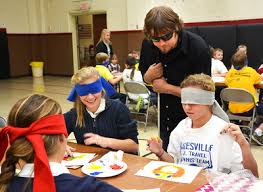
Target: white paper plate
99, 169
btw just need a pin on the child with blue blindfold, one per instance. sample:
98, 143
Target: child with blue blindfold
92, 88
98, 120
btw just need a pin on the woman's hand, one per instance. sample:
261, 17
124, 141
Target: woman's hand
155, 146
69, 151
235, 132
91, 138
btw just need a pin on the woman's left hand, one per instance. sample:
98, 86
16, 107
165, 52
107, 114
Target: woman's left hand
235, 132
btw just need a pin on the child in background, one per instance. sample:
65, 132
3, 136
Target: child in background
218, 54
243, 49
102, 60
136, 55
131, 74
205, 138
242, 76
218, 69
115, 69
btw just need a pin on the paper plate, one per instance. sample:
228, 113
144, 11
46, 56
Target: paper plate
99, 169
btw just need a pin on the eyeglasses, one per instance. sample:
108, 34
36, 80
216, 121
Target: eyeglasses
165, 37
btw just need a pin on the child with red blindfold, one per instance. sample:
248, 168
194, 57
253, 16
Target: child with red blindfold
36, 141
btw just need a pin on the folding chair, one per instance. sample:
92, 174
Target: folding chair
2, 122
240, 96
137, 88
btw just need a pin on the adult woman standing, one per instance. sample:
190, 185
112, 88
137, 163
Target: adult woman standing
104, 44
96, 120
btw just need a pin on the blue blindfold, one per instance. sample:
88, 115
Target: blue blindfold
92, 88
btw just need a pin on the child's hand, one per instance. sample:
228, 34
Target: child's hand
235, 132
69, 151
155, 145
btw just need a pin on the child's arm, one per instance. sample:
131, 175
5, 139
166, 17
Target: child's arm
249, 161
155, 146
115, 80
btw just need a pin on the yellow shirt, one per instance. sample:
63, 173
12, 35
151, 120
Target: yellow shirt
137, 66
104, 72
244, 78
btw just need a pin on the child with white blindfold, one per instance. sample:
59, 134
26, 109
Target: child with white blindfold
205, 138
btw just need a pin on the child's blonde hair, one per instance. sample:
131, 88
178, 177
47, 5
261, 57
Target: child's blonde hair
202, 80
101, 57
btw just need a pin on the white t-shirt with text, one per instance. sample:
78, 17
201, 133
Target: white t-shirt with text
205, 147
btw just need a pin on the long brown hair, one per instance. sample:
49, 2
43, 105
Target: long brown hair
26, 111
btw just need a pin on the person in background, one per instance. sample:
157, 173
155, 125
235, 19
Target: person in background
102, 60
104, 44
96, 120
35, 139
242, 76
115, 69
225, 150
218, 54
131, 74
218, 69
243, 49
168, 55
136, 55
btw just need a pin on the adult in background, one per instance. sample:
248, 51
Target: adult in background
104, 45
168, 55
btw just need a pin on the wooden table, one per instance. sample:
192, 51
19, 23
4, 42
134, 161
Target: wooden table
128, 180
220, 81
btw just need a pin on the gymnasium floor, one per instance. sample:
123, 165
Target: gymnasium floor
58, 88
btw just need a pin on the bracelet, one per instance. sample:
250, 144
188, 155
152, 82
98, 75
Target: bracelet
160, 154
